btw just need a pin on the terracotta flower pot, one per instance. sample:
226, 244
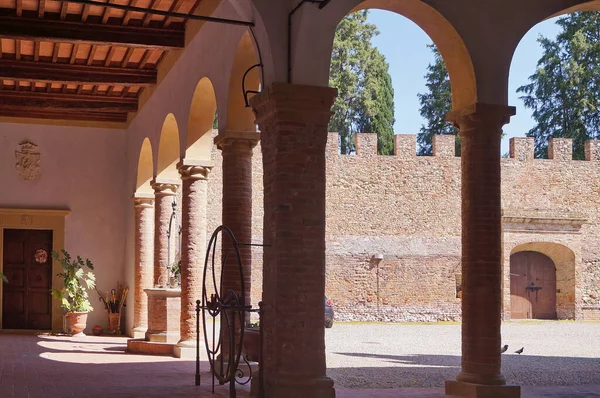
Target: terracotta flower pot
251, 344
77, 322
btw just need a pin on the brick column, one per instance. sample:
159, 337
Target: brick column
164, 193
236, 148
480, 128
293, 120
144, 259
193, 246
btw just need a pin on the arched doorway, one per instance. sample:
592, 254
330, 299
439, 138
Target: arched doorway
532, 286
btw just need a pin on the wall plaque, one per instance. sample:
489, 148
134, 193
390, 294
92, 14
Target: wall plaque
27, 161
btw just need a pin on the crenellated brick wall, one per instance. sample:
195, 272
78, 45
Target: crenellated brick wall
407, 208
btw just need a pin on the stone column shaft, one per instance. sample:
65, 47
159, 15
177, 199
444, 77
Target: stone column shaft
144, 259
164, 193
193, 245
293, 121
236, 148
480, 128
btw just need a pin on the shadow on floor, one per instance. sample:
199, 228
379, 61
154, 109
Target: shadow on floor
434, 370
44, 366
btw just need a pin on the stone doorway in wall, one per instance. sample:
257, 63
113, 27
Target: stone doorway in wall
26, 301
532, 286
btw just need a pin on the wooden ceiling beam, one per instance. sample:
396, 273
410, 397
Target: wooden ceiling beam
64, 115
77, 74
76, 32
46, 102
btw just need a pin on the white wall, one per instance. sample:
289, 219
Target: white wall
82, 169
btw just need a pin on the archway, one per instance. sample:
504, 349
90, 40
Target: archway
168, 150
240, 116
202, 113
445, 37
145, 169
382, 290
553, 77
559, 266
532, 286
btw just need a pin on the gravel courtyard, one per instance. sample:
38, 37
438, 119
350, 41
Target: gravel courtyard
425, 355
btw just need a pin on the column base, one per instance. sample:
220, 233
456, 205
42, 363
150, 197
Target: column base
141, 346
469, 390
187, 350
161, 336
321, 387
138, 333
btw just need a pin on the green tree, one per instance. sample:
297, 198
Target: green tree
435, 104
365, 101
564, 91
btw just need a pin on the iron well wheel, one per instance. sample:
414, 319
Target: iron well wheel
228, 306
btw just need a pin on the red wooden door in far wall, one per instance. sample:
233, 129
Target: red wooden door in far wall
532, 286
26, 301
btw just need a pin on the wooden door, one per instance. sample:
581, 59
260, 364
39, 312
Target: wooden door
26, 301
532, 286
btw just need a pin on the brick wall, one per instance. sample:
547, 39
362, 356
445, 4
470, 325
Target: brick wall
407, 208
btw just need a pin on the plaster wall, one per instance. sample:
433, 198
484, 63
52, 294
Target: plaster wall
81, 169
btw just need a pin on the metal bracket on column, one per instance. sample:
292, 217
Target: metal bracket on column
231, 308
246, 92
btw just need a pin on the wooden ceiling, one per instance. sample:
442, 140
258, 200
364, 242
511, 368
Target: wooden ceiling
69, 61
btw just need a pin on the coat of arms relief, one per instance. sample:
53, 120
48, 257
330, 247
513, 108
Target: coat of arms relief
27, 161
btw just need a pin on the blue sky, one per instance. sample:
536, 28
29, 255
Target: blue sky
399, 37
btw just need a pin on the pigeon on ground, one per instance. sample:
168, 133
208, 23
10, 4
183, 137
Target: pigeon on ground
503, 349
519, 351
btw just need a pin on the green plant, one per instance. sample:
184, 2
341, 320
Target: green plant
3, 277
253, 325
73, 294
176, 269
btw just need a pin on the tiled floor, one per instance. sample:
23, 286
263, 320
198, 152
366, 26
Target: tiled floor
61, 366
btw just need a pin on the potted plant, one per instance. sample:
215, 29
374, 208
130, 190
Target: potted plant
250, 345
175, 274
73, 294
3, 277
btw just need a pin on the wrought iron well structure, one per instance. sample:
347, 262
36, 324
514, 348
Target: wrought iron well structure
230, 307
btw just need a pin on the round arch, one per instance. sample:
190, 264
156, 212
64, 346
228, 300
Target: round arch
564, 261
240, 117
168, 149
545, 13
145, 169
445, 37
202, 113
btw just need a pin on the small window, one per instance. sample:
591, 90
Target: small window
458, 281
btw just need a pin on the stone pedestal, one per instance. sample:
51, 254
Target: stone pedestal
164, 306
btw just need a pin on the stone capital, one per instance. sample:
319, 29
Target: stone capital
479, 116
143, 200
191, 170
165, 187
294, 103
237, 140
